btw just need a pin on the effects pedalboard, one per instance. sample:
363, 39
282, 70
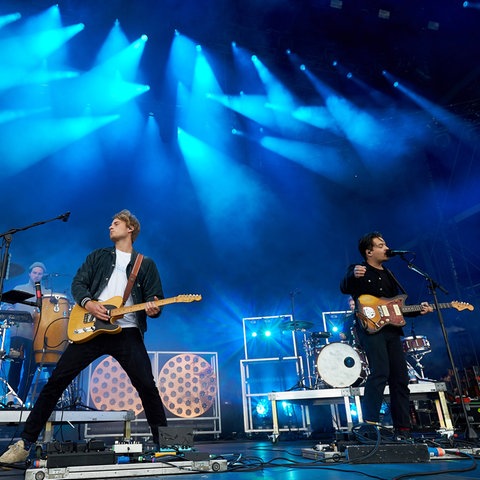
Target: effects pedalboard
124, 459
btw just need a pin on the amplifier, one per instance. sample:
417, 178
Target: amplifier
389, 453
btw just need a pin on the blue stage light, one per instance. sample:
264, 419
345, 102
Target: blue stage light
262, 407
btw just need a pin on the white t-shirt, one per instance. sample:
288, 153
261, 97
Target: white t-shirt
116, 286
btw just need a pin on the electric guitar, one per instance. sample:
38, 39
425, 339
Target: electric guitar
83, 326
374, 312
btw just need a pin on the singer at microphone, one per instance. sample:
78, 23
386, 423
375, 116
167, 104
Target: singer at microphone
394, 253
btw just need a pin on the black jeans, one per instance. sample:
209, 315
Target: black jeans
387, 364
129, 349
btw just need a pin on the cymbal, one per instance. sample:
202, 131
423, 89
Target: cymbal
321, 334
297, 325
14, 270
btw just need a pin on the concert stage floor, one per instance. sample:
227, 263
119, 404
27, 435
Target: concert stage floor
287, 458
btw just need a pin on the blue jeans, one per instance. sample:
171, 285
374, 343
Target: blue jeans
128, 348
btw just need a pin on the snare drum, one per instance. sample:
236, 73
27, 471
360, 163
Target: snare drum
340, 365
50, 329
416, 344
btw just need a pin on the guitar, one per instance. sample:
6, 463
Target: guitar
374, 312
83, 326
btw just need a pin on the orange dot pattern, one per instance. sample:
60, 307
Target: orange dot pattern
187, 385
111, 389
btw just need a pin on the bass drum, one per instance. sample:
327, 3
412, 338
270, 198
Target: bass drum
340, 365
50, 329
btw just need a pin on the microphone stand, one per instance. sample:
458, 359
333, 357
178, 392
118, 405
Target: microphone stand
7, 240
470, 433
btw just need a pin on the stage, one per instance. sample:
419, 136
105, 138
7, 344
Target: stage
292, 459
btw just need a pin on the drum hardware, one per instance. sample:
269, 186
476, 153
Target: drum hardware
417, 346
10, 393
298, 326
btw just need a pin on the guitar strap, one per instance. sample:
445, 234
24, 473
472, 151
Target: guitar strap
132, 278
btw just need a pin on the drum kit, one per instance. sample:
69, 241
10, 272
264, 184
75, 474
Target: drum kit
340, 364
49, 324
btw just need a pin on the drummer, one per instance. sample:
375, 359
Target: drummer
21, 338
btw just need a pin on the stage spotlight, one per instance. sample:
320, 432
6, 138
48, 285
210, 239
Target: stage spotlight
384, 14
234, 44
254, 334
198, 48
267, 333
262, 407
287, 409
144, 37
395, 84
303, 67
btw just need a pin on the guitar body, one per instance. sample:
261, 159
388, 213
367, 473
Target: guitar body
83, 326
376, 312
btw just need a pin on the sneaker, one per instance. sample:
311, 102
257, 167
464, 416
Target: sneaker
15, 453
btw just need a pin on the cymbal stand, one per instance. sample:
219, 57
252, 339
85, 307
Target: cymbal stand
300, 372
418, 359
470, 433
10, 390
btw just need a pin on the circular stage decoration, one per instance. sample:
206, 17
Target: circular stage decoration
111, 389
188, 385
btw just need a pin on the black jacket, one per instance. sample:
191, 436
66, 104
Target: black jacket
93, 276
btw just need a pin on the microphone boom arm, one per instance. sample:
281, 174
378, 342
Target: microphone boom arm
7, 240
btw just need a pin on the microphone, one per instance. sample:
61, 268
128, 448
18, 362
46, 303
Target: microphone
393, 253
38, 294
65, 217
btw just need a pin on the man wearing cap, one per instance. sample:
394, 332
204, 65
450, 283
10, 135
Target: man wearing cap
21, 338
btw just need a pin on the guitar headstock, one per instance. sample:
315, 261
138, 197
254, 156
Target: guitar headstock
188, 298
462, 306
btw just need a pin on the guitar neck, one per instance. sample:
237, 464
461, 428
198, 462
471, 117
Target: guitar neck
116, 312
418, 308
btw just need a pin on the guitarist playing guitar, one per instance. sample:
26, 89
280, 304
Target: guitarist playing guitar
105, 274
383, 347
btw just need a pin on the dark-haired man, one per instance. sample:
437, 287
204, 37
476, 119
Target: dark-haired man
383, 348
